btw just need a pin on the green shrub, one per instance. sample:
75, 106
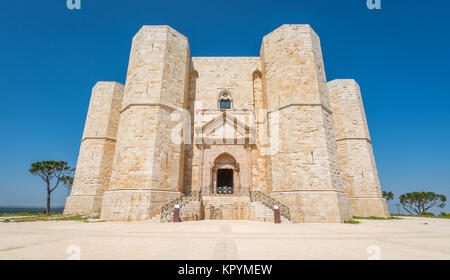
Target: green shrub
351, 222
375, 218
427, 214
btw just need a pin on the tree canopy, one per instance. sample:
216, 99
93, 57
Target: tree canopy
419, 203
388, 195
54, 174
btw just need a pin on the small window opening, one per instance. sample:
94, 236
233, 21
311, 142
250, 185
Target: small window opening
225, 101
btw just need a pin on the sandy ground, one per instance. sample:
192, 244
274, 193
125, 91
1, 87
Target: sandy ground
409, 238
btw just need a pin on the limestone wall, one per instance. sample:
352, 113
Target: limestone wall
261, 160
132, 153
293, 71
95, 159
234, 74
146, 158
304, 168
359, 171
239, 153
209, 76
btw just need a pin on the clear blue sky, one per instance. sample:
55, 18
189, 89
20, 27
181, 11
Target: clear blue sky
51, 57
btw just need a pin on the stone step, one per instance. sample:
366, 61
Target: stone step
226, 207
156, 218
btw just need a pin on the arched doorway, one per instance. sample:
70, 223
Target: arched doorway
225, 181
225, 174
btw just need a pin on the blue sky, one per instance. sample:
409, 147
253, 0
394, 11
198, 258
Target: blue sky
51, 57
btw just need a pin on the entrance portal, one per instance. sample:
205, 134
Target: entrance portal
225, 181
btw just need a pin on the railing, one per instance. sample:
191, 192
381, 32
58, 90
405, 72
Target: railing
227, 191
270, 202
167, 210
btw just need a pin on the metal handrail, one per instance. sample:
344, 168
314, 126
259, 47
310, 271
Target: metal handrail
167, 210
270, 202
227, 191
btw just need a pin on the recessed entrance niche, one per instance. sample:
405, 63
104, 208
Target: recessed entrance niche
225, 181
225, 175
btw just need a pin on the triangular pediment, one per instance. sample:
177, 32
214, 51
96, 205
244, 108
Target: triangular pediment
226, 129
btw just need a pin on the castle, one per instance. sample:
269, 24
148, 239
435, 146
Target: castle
227, 137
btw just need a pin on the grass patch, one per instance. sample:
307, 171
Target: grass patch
28, 214
446, 216
351, 222
376, 218
29, 217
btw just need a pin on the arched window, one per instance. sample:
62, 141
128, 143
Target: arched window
225, 101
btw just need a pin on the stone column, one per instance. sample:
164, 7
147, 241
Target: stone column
260, 160
359, 171
304, 164
148, 163
236, 179
214, 180
97, 149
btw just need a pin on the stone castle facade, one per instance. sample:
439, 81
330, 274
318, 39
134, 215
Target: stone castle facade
227, 137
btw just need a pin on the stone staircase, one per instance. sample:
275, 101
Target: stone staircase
270, 203
255, 206
156, 218
265, 214
187, 203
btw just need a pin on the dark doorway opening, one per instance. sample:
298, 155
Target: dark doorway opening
225, 181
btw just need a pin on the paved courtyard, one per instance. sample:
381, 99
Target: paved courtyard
409, 238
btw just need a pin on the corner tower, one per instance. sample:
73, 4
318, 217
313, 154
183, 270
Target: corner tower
305, 169
148, 164
354, 146
94, 164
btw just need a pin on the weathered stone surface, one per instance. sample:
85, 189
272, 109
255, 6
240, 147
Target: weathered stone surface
228, 208
297, 92
146, 157
212, 124
354, 147
130, 205
95, 159
83, 204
